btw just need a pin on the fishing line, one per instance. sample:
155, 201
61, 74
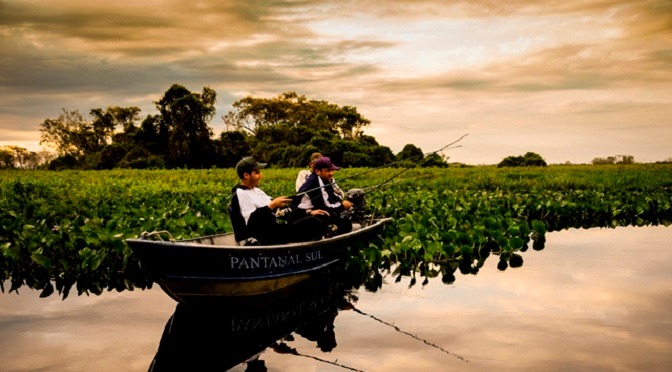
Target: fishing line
375, 187
446, 147
408, 334
283, 348
401, 180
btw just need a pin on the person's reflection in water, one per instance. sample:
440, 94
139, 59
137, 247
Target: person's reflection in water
256, 365
240, 330
321, 330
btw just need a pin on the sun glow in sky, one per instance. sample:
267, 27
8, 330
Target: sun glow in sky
571, 80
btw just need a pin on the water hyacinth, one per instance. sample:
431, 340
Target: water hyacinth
65, 230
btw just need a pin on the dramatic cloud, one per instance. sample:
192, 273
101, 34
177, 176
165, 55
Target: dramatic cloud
570, 80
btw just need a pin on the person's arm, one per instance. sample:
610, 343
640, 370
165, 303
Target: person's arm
255, 202
279, 202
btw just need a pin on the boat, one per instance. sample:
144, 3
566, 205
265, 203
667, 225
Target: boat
215, 266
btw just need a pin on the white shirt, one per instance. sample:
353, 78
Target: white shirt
251, 199
301, 178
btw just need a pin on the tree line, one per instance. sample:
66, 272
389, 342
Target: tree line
283, 131
16, 157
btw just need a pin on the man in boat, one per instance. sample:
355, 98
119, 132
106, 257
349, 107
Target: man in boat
319, 193
304, 173
253, 217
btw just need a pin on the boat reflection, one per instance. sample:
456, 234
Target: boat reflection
225, 332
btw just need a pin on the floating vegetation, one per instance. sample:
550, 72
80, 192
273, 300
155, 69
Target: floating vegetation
61, 231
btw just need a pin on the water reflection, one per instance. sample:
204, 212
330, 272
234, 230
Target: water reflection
226, 331
597, 299
467, 262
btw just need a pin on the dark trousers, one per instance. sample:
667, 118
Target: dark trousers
266, 229
343, 225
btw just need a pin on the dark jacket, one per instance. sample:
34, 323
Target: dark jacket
314, 192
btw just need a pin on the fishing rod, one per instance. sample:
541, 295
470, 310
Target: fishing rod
370, 189
446, 147
356, 196
367, 190
373, 188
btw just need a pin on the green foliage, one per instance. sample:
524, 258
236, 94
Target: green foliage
530, 159
280, 130
15, 157
289, 127
63, 231
434, 160
618, 159
75, 137
410, 152
186, 115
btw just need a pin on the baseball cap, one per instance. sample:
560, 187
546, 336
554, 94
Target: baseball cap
247, 165
325, 162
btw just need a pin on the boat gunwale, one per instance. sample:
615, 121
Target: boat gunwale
190, 242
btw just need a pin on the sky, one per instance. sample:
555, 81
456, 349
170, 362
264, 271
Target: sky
569, 80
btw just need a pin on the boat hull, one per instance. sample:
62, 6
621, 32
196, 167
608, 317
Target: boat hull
193, 268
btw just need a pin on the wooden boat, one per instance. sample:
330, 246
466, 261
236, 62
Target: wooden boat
215, 266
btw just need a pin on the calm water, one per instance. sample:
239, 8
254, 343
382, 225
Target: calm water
598, 299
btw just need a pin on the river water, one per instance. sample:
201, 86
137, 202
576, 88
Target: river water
596, 299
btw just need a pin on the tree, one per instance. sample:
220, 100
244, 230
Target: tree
231, 147
410, 152
72, 135
186, 116
434, 160
284, 130
530, 159
294, 110
6, 158
64, 133
625, 159
616, 159
18, 157
287, 128
380, 155
598, 161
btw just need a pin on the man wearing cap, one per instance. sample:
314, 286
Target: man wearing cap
319, 194
252, 212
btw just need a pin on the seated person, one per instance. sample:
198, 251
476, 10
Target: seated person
304, 173
252, 212
318, 194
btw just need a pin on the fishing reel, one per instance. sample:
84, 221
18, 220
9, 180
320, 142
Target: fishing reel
358, 212
283, 214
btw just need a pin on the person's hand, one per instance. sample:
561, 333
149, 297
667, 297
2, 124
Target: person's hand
347, 204
280, 202
318, 212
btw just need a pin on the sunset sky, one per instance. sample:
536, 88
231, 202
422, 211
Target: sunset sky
570, 80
